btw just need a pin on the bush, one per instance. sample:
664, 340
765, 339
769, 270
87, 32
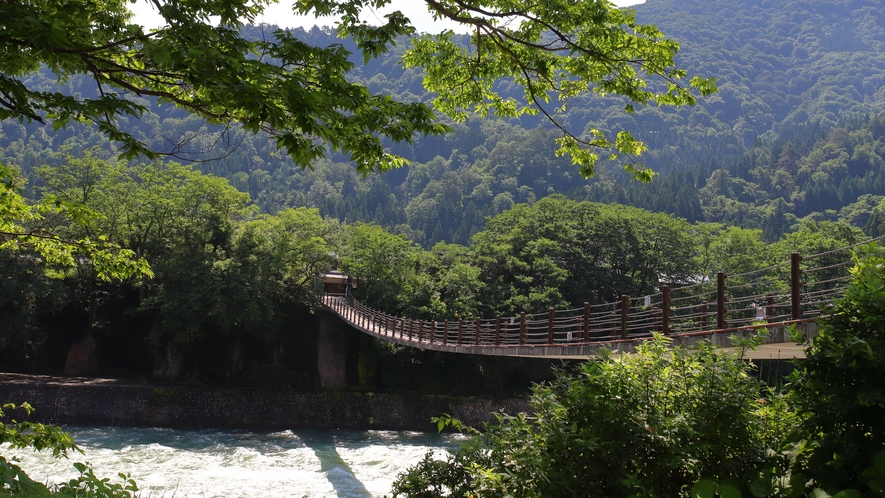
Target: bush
648, 424
840, 388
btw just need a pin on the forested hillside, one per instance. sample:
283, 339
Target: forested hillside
765, 151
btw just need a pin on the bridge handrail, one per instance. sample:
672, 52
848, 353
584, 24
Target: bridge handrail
776, 297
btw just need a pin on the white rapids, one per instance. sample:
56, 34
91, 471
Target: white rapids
209, 463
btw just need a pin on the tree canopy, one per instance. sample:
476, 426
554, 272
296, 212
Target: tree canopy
300, 94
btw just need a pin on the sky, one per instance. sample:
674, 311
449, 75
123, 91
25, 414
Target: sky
281, 15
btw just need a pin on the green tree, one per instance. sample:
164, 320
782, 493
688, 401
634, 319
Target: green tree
299, 94
385, 266
557, 252
28, 228
273, 271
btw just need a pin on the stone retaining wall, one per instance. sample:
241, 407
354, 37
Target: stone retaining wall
113, 404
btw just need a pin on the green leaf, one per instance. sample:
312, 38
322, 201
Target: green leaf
879, 462
704, 488
728, 491
761, 487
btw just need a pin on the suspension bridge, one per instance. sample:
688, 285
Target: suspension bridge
793, 293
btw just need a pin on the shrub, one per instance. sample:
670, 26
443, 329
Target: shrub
647, 424
841, 386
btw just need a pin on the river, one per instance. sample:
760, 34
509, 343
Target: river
209, 463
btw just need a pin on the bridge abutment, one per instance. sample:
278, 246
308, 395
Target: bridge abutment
331, 351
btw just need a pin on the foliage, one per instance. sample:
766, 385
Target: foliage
87, 485
561, 252
280, 85
382, 263
555, 50
649, 424
674, 422
26, 228
841, 386
298, 92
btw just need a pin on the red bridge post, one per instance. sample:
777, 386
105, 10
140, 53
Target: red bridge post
704, 315
460, 329
720, 300
446, 332
665, 321
478, 326
522, 330
769, 309
497, 330
586, 322
549, 325
795, 286
625, 305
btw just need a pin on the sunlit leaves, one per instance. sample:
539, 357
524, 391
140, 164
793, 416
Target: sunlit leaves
300, 94
25, 228
198, 61
555, 51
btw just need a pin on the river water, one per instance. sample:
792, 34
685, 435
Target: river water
208, 463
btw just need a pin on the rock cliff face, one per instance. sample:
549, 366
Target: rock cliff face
82, 357
167, 362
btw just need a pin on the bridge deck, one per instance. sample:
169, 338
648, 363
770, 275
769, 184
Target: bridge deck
561, 345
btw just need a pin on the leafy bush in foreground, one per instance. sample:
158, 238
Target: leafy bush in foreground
649, 424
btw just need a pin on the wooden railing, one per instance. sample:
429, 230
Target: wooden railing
791, 292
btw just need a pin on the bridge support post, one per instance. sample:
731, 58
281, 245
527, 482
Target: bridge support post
586, 322
549, 325
478, 328
446, 332
625, 305
704, 315
411, 325
522, 328
769, 308
460, 329
497, 330
795, 286
720, 300
432, 331
665, 320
